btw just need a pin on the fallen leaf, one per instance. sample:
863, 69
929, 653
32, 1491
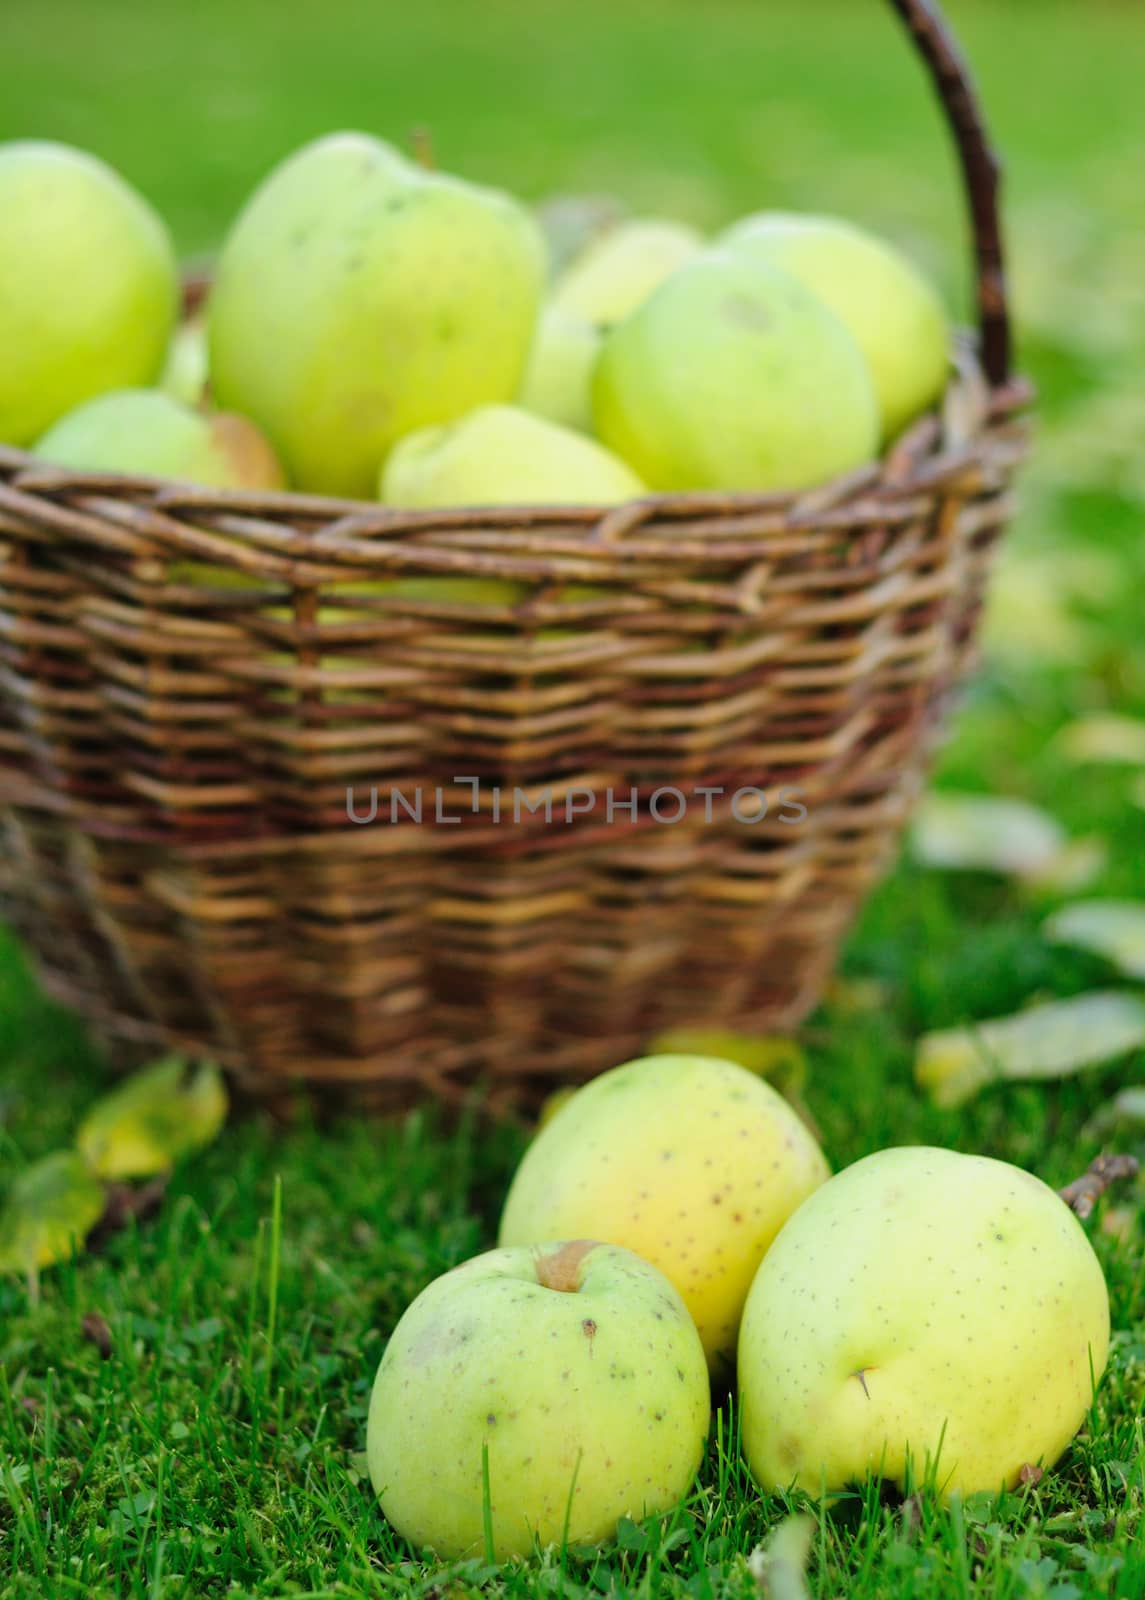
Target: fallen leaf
768, 1055
779, 1566
553, 1103
1052, 1040
154, 1119
1028, 618
50, 1210
1120, 1223
1076, 866
1126, 1108
985, 833
1105, 737
1028, 1473
1114, 929
852, 996
1099, 445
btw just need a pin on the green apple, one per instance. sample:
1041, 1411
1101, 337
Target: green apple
558, 379
186, 374
145, 431
921, 1298
896, 317
691, 1161
500, 455
359, 298
617, 272
88, 285
576, 1372
734, 376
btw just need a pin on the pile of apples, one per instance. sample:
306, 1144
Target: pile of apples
379, 330
924, 1315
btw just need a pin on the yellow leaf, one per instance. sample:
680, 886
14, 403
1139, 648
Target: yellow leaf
1114, 929
779, 1567
767, 1055
154, 1119
1052, 1040
1105, 737
554, 1103
852, 996
50, 1210
1125, 1110
1076, 866
1028, 617
986, 834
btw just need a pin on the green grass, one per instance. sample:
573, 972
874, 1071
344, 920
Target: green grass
217, 1448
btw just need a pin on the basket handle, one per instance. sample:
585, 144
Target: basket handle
980, 171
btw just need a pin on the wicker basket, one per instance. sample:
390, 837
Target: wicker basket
175, 756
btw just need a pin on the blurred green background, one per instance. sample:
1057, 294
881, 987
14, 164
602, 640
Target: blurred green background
703, 109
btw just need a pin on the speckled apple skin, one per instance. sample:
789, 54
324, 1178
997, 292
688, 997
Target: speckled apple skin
692, 1162
964, 1292
594, 1404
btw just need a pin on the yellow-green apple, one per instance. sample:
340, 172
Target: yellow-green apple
501, 455
558, 379
618, 271
734, 376
88, 285
360, 297
148, 432
922, 1306
186, 374
691, 1161
895, 315
573, 1370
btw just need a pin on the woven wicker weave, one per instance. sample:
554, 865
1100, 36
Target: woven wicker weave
176, 755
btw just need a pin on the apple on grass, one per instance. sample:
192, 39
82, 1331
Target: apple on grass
557, 1388
924, 1311
691, 1161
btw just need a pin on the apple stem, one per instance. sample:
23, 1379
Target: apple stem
1102, 1173
421, 143
560, 1268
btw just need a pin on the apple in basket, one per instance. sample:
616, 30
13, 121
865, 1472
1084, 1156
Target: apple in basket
501, 455
186, 374
534, 1395
893, 313
615, 273
733, 375
359, 298
148, 432
88, 285
558, 379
